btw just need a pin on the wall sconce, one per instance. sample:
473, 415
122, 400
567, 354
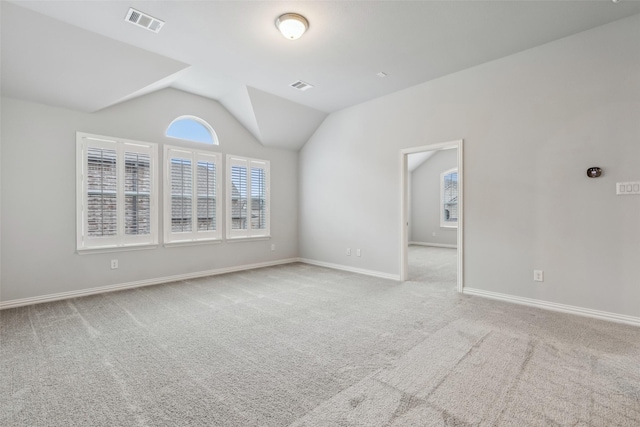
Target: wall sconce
594, 172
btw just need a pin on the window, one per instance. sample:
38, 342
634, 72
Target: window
192, 190
117, 192
192, 128
247, 197
449, 197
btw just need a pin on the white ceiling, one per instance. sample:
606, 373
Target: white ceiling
231, 51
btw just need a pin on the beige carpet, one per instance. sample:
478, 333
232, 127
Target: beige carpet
307, 346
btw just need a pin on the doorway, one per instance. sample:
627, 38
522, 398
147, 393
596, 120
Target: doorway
446, 209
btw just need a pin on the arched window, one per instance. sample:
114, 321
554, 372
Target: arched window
192, 128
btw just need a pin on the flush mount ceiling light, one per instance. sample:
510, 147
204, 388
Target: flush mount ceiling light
292, 25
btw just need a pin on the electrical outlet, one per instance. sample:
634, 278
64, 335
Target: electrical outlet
538, 275
433, 234
358, 253
273, 246
114, 264
348, 251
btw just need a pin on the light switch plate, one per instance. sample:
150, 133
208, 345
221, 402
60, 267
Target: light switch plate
627, 188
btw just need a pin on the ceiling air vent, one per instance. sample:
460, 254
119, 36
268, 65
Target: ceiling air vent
300, 85
143, 20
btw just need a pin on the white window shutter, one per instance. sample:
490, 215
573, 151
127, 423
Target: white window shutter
117, 192
191, 191
207, 193
247, 197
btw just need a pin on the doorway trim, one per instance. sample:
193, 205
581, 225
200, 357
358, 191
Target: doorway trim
404, 206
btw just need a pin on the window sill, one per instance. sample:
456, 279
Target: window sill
192, 243
247, 239
449, 226
107, 249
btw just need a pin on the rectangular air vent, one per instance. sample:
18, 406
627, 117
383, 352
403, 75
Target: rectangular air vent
143, 20
300, 85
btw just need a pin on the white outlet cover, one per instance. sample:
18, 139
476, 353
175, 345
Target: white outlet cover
538, 275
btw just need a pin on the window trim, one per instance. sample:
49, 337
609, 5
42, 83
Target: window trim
120, 241
195, 236
443, 222
248, 233
214, 136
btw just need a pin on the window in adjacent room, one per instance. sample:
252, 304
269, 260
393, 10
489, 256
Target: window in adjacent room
117, 192
192, 191
192, 128
449, 197
247, 197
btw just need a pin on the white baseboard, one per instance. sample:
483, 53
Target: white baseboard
435, 245
351, 269
137, 284
597, 314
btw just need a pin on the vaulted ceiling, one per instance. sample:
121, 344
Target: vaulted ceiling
85, 56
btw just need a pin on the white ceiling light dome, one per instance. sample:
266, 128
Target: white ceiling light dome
292, 25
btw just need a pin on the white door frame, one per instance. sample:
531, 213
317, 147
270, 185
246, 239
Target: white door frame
404, 203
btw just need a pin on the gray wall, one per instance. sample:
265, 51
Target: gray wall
532, 123
424, 200
39, 206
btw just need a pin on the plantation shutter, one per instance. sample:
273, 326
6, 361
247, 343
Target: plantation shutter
248, 197
137, 191
101, 188
181, 194
193, 180
117, 202
258, 196
239, 200
207, 185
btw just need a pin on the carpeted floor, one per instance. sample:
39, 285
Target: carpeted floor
302, 345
